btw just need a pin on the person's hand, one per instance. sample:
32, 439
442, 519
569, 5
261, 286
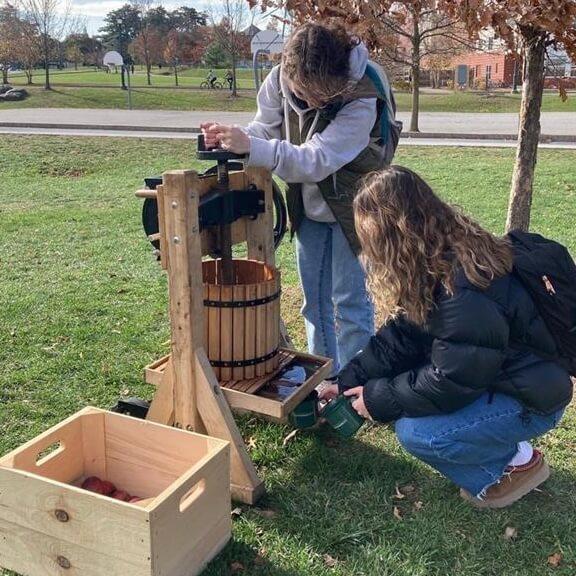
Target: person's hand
358, 404
328, 392
210, 131
233, 138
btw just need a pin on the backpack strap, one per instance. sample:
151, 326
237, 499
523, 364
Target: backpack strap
384, 93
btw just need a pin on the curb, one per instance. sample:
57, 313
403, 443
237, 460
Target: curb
544, 138
103, 127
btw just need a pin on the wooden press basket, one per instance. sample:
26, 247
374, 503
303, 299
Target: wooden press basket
242, 320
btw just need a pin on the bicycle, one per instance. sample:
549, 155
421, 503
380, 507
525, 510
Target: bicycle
206, 85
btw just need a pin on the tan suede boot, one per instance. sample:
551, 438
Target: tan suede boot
516, 483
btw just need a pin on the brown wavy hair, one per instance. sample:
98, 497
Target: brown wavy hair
413, 243
316, 60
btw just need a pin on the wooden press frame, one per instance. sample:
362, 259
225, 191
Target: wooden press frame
189, 395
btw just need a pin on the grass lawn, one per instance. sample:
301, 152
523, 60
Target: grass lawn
83, 308
191, 77
63, 96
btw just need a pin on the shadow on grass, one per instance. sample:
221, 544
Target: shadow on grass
366, 504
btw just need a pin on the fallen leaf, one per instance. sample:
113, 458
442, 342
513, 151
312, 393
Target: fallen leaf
398, 495
252, 442
12, 333
510, 533
236, 567
259, 560
555, 559
329, 561
408, 489
418, 505
236, 512
290, 437
397, 513
265, 513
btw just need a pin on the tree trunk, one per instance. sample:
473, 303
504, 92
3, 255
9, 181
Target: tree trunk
416, 39
46, 64
534, 48
176, 74
4, 75
29, 76
414, 118
234, 86
148, 69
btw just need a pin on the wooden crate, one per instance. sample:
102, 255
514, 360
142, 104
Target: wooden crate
277, 410
51, 527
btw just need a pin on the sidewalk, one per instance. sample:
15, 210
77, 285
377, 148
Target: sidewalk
556, 126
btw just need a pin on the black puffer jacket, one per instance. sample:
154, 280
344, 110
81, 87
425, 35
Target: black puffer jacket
475, 341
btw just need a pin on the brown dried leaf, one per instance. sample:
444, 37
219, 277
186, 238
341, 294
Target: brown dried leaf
555, 559
408, 489
398, 495
265, 513
251, 442
397, 513
236, 512
236, 567
510, 533
329, 561
290, 437
418, 505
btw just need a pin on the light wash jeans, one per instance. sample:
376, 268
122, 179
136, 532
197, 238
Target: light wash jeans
338, 312
473, 446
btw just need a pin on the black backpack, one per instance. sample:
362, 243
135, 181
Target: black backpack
548, 272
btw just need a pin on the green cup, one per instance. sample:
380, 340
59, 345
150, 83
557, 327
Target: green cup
305, 415
342, 417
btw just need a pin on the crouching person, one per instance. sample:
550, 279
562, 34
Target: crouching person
459, 363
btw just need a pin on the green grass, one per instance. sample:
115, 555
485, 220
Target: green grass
164, 77
142, 99
162, 97
83, 308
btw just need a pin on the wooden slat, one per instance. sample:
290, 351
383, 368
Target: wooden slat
27, 551
261, 336
239, 333
162, 406
226, 331
250, 331
214, 334
260, 232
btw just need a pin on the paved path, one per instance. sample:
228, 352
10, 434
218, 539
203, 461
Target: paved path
496, 124
421, 141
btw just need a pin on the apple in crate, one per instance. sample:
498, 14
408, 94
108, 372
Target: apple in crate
121, 495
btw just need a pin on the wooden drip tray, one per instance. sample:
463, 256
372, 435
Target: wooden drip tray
274, 395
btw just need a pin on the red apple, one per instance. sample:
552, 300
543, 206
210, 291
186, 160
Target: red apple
93, 484
120, 495
108, 488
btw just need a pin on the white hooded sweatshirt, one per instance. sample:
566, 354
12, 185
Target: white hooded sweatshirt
323, 153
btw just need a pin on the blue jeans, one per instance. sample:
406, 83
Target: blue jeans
338, 312
473, 446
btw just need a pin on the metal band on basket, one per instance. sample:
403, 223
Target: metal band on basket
242, 363
242, 304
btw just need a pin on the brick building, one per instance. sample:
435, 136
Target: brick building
497, 66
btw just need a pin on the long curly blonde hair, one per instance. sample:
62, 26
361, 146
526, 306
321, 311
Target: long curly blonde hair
413, 243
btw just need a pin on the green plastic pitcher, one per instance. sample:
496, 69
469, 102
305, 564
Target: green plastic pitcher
342, 417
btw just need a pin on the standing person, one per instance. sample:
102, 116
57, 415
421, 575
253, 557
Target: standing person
464, 363
230, 79
325, 119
